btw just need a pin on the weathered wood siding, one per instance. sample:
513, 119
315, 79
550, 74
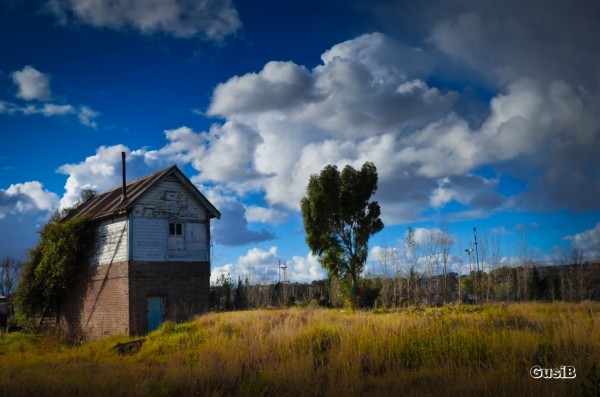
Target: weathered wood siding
149, 236
168, 202
112, 242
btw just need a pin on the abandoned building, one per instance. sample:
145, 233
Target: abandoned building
151, 260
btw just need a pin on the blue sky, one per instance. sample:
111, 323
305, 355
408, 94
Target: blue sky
476, 113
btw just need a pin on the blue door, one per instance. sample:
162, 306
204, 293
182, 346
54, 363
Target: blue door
156, 312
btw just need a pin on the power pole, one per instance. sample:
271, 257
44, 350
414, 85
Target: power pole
469, 251
477, 257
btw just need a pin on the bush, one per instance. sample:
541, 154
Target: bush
54, 265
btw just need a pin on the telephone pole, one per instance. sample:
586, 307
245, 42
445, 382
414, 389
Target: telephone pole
477, 258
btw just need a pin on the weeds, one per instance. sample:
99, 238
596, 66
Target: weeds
452, 350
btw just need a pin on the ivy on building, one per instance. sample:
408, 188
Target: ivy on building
54, 265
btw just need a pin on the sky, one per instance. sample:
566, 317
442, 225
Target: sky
477, 114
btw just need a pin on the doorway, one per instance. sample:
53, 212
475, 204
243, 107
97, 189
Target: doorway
156, 311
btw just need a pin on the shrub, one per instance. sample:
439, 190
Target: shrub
54, 265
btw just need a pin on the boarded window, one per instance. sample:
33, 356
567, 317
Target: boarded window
196, 236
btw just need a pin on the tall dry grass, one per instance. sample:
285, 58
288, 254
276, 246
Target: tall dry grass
454, 350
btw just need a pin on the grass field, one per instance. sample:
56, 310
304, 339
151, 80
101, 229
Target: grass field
448, 351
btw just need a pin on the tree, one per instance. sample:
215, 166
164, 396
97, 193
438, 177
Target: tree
58, 215
10, 270
413, 258
339, 219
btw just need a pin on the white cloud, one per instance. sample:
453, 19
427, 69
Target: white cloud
210, 19
278, 85
35, 85
587, 241
32, 84
28, 196
51, 109
86, 116
255, 213
100, 172
260, 266
360, 89
305, 269
370, 101
24, 208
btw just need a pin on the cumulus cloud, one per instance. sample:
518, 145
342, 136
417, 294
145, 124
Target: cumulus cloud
233, 229
258, 264
24, 208
278, 85
587, 241
368, 101
263, 266
210, 19
35, 85
230, 158
25, 197
259, 214
360, 89
100, 172
32, 84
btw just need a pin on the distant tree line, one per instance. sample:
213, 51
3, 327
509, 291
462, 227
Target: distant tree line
571, 282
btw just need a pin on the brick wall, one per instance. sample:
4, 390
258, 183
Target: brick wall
112, 299
98, 305
185, 285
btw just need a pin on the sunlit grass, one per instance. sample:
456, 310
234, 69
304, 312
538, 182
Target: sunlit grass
453, 350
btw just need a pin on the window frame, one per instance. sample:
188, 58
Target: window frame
176, 229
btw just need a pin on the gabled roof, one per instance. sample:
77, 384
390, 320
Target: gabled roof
110, 202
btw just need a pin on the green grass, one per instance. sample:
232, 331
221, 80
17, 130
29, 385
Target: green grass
454, 350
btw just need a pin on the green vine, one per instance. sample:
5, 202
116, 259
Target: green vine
54, 265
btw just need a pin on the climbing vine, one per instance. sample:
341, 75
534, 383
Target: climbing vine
54, 265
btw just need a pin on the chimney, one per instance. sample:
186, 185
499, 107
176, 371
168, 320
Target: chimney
124, 188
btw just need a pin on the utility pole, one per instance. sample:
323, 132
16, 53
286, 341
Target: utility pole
477, 257
469, 251
284, 282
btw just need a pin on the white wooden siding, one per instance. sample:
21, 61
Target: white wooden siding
149, 239
111, 242
196, 238
151, 216
154, 203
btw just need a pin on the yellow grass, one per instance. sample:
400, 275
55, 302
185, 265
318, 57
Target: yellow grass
454, 350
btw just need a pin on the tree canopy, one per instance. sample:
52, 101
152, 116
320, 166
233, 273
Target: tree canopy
339, 219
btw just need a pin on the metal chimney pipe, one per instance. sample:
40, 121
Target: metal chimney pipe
124, 188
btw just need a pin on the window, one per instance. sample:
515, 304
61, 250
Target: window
175, 229
176, 240
170, 196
